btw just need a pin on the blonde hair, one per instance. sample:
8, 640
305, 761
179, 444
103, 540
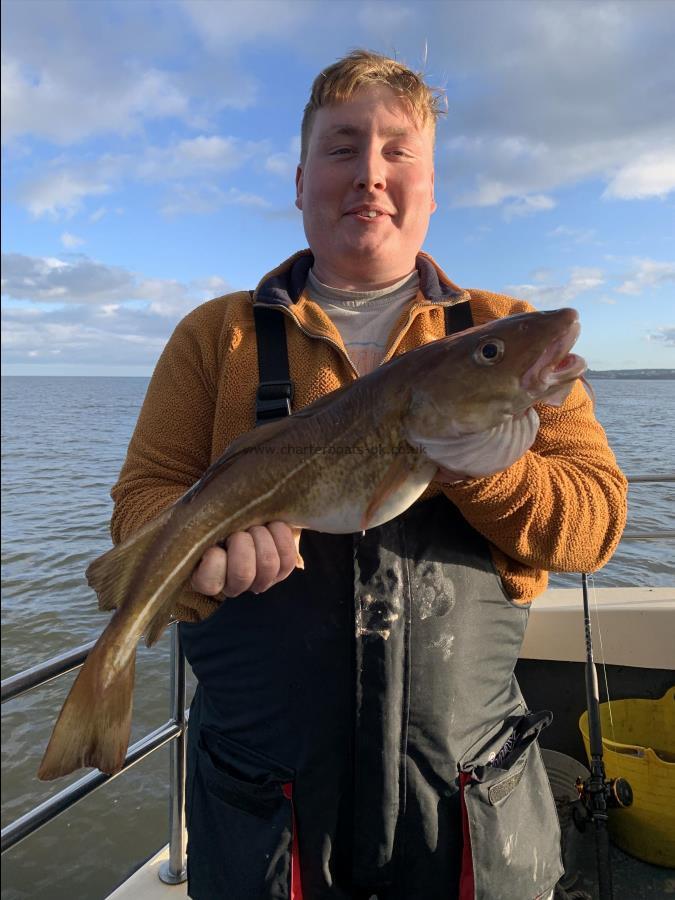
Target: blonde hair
339, 82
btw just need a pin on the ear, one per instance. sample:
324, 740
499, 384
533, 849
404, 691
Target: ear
298, 187
434, 205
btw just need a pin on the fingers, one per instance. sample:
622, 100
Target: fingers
254, 560
209, 576
286, 541
260, 566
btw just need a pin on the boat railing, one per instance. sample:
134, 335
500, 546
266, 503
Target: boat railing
173, 871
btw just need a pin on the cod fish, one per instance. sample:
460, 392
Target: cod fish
352, 460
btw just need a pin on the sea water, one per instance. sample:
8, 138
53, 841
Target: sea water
64, 441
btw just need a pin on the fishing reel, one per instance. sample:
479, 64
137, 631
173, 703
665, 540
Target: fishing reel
598, 794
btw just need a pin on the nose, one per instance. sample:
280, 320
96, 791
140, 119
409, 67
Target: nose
369, 175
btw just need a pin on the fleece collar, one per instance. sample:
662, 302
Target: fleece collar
285, 284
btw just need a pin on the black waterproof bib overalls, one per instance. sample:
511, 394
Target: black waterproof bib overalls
358, 730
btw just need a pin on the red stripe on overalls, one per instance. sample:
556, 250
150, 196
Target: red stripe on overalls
467, 887
296, 881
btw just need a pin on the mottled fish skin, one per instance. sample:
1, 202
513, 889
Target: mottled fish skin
348, 462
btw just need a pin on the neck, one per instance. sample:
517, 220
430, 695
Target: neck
373, 281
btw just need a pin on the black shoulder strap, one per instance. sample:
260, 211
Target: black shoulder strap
275, 389
458, 317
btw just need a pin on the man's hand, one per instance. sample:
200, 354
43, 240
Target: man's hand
252, 560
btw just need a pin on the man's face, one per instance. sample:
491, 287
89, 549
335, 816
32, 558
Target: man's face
366, 190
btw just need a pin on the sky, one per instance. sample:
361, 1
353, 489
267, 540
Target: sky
149, 151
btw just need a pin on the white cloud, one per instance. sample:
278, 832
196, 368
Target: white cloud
543, 292
243, 198
551, 296
204, 199
86, 282
44, 280
87, 312
129, 338
526, 206
543, 105
227, 23
542, 275
70, 241
77, 70
192, 157
65, 102
665, 335
647, 273
61, 190
576, 235
285, 164
546, 103
650, 175
388, 18
489, 171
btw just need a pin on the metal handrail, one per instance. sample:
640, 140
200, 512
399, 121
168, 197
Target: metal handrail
650, 478
174, 870
173, 732
49, 809
42, 674
653, 478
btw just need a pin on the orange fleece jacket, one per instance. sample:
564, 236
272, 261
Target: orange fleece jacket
561, 507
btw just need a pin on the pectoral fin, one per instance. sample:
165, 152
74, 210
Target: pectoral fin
403, 482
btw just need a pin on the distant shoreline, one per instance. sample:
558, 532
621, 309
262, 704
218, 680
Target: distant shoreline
614, 374
632, 374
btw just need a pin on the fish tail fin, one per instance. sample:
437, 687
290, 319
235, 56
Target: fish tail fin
94, 724
111, 574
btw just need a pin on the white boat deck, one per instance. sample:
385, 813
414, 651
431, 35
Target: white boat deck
636, 629
144, 884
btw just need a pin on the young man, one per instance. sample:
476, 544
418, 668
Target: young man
357, 730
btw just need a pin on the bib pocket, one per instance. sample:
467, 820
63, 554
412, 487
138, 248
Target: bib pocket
510, 824
240, 823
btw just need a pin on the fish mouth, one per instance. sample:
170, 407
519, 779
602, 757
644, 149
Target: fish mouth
556, 367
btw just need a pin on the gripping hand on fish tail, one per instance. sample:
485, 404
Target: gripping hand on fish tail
252, 560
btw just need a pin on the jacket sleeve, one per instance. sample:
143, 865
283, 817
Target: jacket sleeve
562, 506
171, 444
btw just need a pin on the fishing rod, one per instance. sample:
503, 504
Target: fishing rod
597, 793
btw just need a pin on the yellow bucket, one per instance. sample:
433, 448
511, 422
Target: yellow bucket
639, 745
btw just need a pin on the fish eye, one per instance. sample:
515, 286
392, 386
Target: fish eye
489, 352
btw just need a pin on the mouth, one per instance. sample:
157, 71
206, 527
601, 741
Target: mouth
556, 366
367, 213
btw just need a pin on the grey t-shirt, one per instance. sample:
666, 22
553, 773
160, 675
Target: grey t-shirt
364, 318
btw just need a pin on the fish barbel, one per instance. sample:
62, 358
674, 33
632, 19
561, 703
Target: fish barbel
352, 460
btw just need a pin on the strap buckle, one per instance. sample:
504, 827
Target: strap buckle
273, 401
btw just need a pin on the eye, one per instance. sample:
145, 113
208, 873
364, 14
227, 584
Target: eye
489, 352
